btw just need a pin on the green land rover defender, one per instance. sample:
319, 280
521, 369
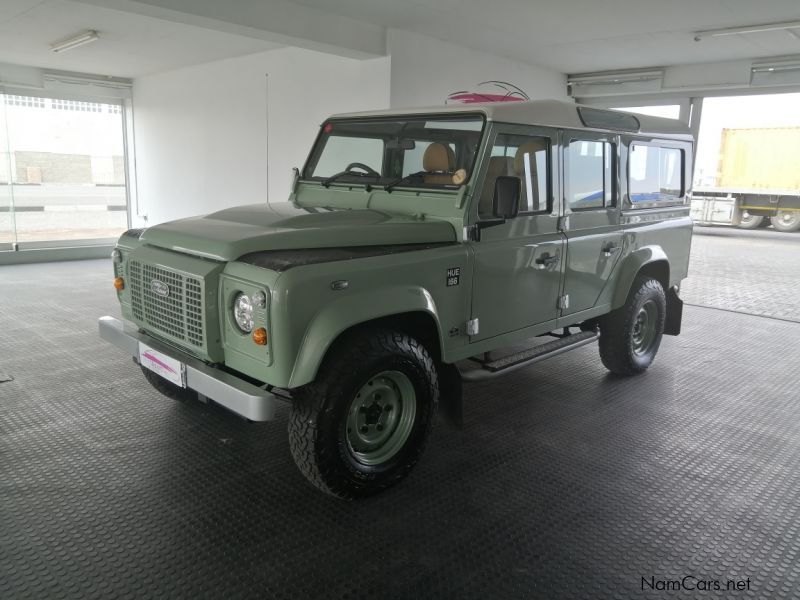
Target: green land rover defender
419, 249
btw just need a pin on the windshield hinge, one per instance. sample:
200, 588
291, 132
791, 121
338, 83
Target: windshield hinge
563, 302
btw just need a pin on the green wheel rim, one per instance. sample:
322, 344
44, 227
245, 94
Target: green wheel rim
645, 328
380, 417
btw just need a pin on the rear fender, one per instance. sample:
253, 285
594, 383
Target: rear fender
632, 265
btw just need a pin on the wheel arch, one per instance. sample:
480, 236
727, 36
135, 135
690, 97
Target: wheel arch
650, 261
408, 309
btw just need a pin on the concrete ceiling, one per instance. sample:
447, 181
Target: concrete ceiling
574, 36
571, 36
130, 45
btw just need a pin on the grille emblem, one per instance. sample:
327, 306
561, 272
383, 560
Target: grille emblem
159, 288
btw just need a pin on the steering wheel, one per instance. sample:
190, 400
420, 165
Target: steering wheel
357, 165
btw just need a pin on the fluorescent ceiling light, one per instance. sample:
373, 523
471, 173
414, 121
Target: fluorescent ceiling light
85, 37
699, 35
776, 67
614, 78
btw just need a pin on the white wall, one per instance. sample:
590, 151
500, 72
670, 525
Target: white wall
201, 132
425, 71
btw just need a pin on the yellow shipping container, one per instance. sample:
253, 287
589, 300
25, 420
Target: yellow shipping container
760, 159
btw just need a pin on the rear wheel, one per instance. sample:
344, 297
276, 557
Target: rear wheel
751, 221
631, 335
361, 426
787, 220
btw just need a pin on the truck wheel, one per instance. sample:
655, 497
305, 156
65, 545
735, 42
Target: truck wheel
786, 220
751, 221
361, 426
630, 335
169, 389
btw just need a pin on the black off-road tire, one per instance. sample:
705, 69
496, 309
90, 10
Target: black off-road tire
617, 329
169, 389
318, 437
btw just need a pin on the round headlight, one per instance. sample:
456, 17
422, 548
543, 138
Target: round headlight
243, 312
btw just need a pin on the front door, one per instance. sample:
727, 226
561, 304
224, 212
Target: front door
592, 226
518, 264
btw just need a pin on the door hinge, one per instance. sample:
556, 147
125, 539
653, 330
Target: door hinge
563, 223
473, 326
563, 302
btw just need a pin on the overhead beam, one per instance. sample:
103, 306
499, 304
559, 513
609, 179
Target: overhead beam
276, 21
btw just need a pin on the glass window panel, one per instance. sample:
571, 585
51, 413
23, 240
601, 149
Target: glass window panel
396, 148
340, 150
67, 169
412, 159
589, 174
655, 173
665, 111
7, 230
525, 157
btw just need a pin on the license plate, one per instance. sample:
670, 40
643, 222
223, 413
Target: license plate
159, 363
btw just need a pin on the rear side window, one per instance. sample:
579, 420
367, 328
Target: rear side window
590, 169
655, 174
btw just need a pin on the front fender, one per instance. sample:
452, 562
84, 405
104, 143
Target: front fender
630, 267
353, 309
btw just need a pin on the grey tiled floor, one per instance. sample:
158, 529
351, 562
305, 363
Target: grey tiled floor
755, 272
565, 483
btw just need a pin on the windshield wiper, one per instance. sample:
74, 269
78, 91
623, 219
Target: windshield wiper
408, 177
327, 182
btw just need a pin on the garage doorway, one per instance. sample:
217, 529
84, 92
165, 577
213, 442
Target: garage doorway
62, 171
730, 129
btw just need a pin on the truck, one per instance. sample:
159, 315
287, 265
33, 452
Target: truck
757, 182
419, 250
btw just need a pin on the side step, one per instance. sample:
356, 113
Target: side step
527, 357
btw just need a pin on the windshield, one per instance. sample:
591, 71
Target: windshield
424, 151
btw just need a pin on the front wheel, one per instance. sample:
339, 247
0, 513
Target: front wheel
786, 220
361, 426
630, 335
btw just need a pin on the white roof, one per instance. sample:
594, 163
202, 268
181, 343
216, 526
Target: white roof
548, 113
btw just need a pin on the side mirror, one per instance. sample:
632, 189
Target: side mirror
505, 203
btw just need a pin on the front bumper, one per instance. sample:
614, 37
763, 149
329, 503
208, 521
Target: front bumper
237, 395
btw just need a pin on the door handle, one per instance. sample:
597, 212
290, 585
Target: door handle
610, 250
545, 261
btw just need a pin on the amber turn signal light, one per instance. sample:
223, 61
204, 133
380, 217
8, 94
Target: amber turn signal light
119, 283
260, 336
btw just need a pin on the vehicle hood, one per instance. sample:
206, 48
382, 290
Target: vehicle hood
228, 234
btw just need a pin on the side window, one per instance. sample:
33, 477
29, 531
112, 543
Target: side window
655, 173
525, 157
590, 174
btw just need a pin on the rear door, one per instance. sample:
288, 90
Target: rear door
592, 222
518, 264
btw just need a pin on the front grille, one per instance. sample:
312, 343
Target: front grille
179, 314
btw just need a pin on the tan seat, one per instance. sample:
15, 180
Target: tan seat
530, 148
440, 161
498, 165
